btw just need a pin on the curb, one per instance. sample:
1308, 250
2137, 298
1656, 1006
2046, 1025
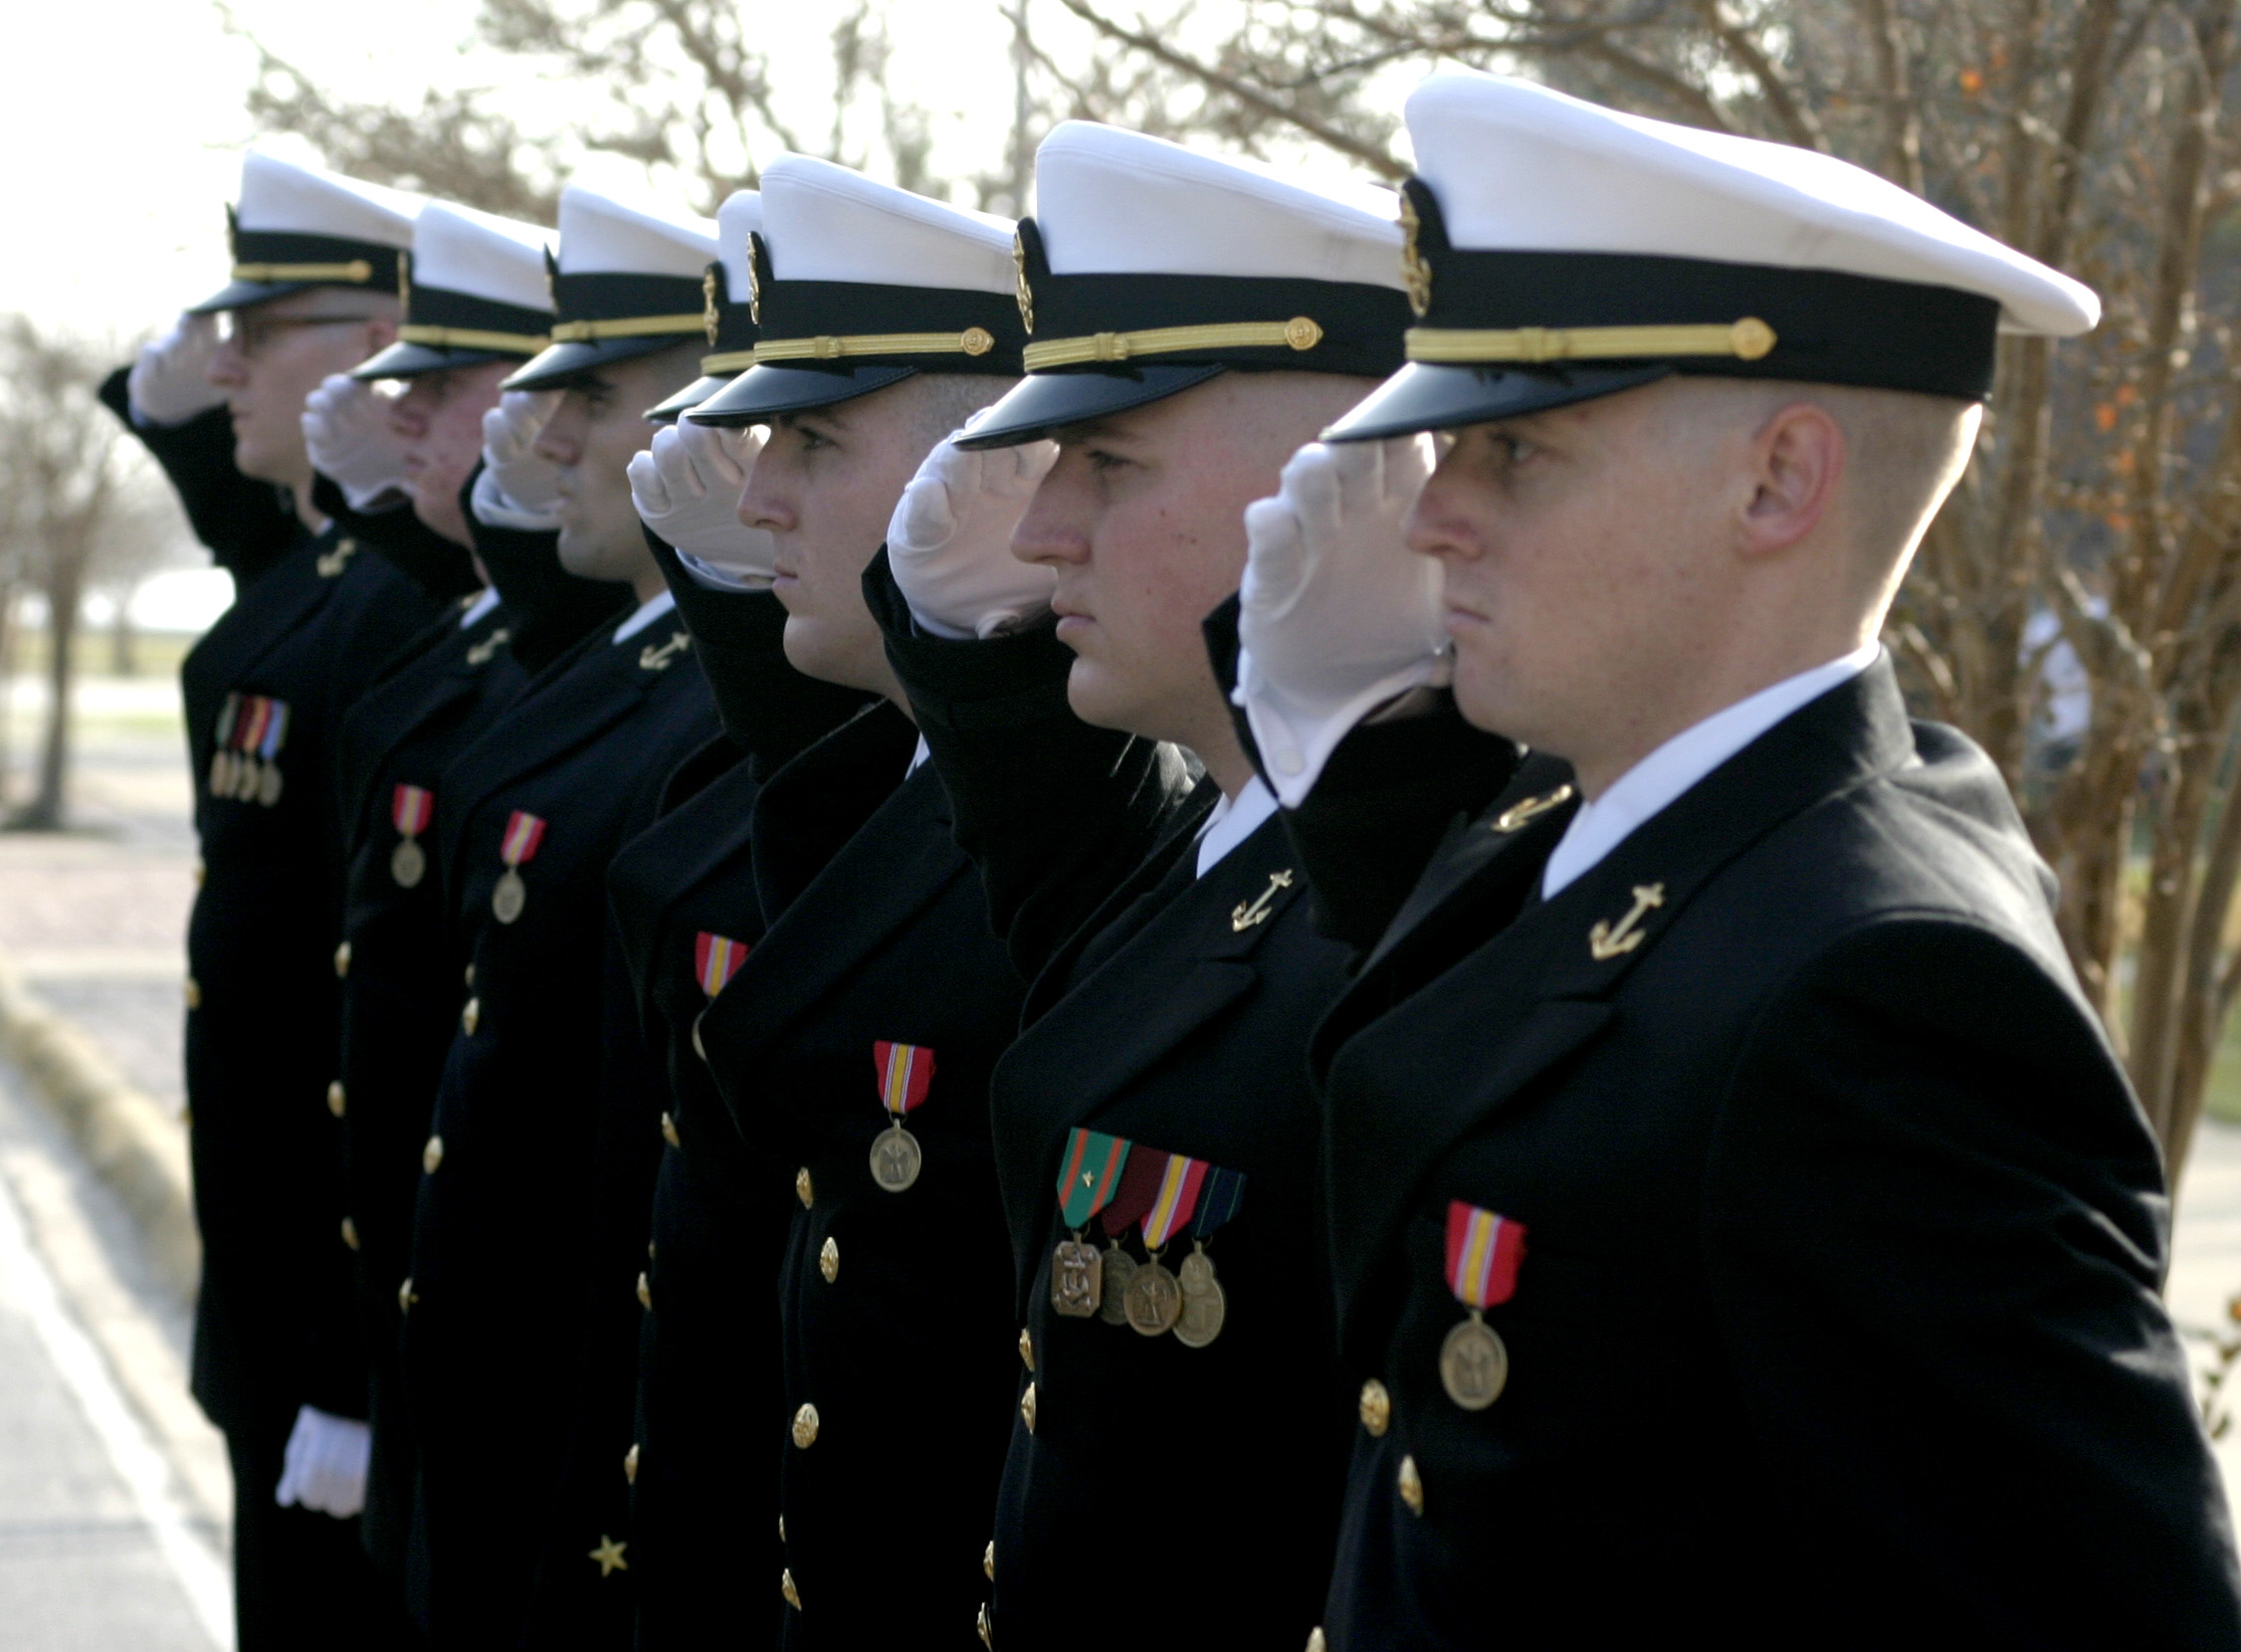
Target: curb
138, 1148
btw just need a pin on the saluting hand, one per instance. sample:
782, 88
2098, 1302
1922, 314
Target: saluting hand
687, 489
346, 432
950, 540
324, 1464
516, 488
1337, 615
170, 380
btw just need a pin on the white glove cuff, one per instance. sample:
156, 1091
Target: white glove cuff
493, 510
1296, 741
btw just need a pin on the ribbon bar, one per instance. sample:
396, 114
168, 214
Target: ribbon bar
1171, 1207
905, 1072
411, 808
524, 834
1482, 1254
1748, 340
623, 327
715, 959
1089, 1174
831, 346
472, 338
1300, 333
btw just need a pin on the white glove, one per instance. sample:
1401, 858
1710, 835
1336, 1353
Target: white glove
1337, 615
170, 381
516, 486
949, 542
686, 487
346, 432
325, 1465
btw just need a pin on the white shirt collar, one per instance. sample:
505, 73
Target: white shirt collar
652, 609
918, 756
715, 577
479, 607
1233, 820
1654, 782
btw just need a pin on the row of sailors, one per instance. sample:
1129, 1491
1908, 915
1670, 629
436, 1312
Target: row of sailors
1201, 922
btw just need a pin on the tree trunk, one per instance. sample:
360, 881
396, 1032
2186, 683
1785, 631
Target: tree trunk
44, 811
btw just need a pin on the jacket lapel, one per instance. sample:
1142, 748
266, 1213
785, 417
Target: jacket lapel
1538, 990
1185, 964
437, 693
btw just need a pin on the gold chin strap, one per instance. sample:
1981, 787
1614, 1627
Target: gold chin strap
623, 327
471, 339
356, 272
727, 361
1299, 334
831, 347
1748, 339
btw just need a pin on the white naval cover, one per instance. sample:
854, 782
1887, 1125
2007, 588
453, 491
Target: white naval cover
738, 217
827, 223
1111, 201
280, 197
462, 250
601, 236
1517, 167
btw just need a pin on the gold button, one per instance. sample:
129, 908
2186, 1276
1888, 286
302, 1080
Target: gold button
630, 1464
195, 994
200, 873
335, 1098
786, 1588
1027, 1348
1376, 1407
781, 1528
1027, 1408
645, 1291
349, 1233
988, 1559
804, 1190
343, 961
668, 1131
471, 1016
827, 1261
1411, 1487
987, 1632
976, 340
1314, 1639
406, 1296
432, 1155
649, 1250
698, 1047
1301, 332
805, 1427
470, 974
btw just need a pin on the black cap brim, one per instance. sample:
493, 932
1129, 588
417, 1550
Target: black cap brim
555, 368
403, 361
241, 295
1042, 404
668, 410
1427, 397
763, 393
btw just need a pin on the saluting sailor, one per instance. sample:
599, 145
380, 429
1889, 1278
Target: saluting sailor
520, 1327
857, 1039
1742, 1226
1195, 320
278, 1360
689, 911
478, 308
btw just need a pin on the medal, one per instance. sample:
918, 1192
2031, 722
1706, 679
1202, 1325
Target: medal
410, 810
221, 753
1155, 1295
1484, 1251
904, 1073
715, 959
1203, 1310
524, 835
1205, 1303
1089, 1174
1118, 1268
1154, 1302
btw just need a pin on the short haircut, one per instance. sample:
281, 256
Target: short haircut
942, 403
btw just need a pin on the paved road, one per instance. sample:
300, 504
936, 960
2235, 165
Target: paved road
112, 1490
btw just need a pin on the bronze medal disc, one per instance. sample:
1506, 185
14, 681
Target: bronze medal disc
509, 896
1196, 1274
1120, 1267
218, 784
269, 786
1202, 1316
1075, 1279
1474, 1364
245, 780
897, 1158
408, 863
1153, 1300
